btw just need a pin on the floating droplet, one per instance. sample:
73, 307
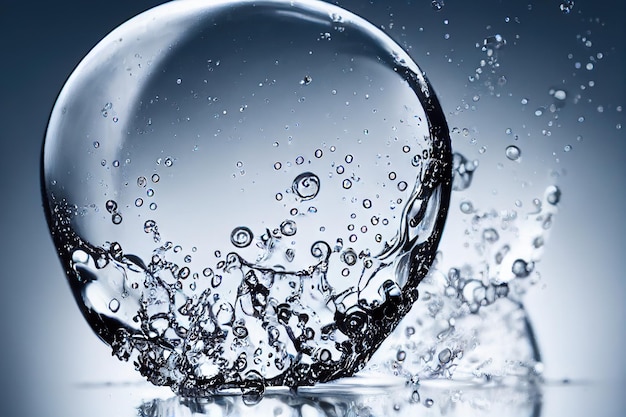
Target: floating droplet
553, 195
111, 206
114, 305
566, 6
521, 268
513, 153
241, 237
306, 185
288, 228
437, 5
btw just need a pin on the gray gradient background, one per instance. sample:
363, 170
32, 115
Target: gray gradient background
50, 360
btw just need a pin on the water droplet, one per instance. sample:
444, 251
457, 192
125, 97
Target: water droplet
566, 6
114, 305
111, 206
467, 207
553, 195
521, 268
560, 95
241, 237
445, 356
437, 5
490, 235
513, 153
288, 228
306, 185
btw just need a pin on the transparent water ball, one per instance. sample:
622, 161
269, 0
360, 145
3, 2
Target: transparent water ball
246, 194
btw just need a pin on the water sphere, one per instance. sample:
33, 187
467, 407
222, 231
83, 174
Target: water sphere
269, 187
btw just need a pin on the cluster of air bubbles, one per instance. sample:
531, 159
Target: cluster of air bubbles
493, 42
566, 6
437, 5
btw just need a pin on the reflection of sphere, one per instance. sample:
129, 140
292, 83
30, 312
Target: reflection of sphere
253, 190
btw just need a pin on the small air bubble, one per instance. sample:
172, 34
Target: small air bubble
466, 207
437, 5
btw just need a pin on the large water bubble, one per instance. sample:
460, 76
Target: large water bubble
246, 194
